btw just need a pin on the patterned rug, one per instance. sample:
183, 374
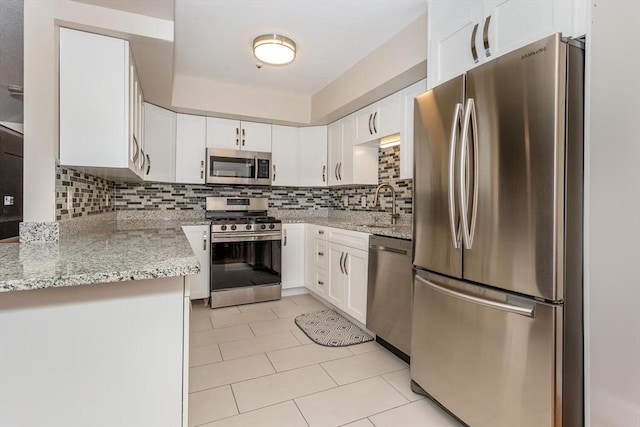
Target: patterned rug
328, 328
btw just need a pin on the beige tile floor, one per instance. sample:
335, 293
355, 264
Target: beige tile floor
250, 365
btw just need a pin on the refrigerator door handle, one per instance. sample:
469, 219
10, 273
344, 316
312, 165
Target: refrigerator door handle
455, 130
515, 309
468, 229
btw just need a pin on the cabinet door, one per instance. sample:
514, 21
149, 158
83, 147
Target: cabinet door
190, 149
356, 267
160, 144
450, 50
364, 124
284, 155
336, 289
335, 151
512, 24
223, 133
310, 246
320, 283
198, 236
387, 120
406, 134
255, 136
94, 100
346, 168
292, 255
312, 156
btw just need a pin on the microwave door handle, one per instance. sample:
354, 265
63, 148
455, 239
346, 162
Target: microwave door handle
256, 167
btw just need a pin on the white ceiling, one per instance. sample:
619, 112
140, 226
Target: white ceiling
213, 38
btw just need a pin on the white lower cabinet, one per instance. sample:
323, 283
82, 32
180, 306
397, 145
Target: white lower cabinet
337, 268
198, 237
293, 250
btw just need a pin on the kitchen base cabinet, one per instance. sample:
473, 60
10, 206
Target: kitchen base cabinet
107, 354
198, 237
293, 250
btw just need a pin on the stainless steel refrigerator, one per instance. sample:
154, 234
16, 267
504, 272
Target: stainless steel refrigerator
498, 191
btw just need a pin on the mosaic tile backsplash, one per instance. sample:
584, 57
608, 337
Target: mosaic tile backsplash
93, 195
79, 194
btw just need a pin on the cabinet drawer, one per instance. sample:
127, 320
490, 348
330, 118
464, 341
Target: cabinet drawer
352, 239
320, 283
320, 255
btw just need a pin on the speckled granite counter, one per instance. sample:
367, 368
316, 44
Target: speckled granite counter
119, 251
400, 231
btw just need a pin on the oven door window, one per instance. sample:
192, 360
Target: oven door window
232, 167
244, 264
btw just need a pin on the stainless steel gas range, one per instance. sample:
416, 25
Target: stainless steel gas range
245, 251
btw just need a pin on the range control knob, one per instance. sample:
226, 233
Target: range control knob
223, 227
272, 226
233, 227
248, 227
263, 226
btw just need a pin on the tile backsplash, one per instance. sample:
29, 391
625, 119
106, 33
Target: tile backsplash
79, 194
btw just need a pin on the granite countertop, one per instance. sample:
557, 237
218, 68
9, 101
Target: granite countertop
118, 251
400, 231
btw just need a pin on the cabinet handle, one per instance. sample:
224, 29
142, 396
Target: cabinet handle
144, 159
341, 267
474, 52
340, 171
370, 117
320, 231
285, 237
324, 169
148, 164
320, 282
237, 136
274, 172
320, 253
204, 241
336, 171
202, 169
375, 116
346, 255
485, 36
136, 150
243, 138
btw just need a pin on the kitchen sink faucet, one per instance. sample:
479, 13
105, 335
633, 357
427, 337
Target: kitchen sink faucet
394, 215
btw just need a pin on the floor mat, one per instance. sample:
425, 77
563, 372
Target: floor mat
328, 328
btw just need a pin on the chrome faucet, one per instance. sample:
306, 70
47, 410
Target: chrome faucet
394, 215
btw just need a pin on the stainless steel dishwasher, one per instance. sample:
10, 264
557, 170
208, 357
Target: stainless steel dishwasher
389, 291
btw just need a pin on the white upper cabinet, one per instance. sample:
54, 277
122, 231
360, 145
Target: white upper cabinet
312, 156
159, 144
284, 156
350, 163
406, 133
465, 33
100, 105
191, 132
237, 135
379, 119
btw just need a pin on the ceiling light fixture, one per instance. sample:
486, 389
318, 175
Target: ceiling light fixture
390, 141
274, 49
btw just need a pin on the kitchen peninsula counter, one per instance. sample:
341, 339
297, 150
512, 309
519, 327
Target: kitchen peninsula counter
119, 251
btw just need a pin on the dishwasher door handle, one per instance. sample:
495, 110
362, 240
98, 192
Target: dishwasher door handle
388, 249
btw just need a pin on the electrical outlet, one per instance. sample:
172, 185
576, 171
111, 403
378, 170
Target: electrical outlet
345, 201
363, 201
8, 200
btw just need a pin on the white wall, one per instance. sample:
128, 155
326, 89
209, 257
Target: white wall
612, 251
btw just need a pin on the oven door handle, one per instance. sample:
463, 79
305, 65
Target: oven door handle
244, 237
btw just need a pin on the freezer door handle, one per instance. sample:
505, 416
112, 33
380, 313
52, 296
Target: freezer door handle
515, 309
455, 131
468, 229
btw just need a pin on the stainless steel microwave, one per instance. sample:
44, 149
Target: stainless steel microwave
238, 167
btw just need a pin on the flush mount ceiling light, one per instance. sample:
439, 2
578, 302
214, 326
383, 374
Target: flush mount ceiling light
274, 49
